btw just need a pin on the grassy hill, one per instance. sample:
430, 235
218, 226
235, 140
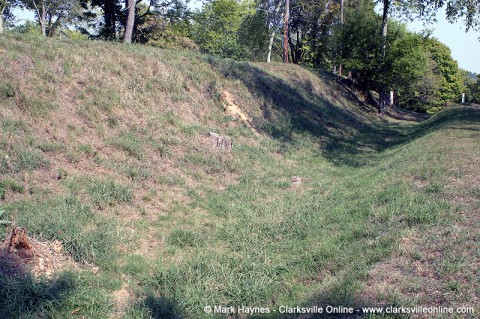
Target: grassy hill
107, 148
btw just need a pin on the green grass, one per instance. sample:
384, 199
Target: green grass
184, 238
130, 143
36, 107
100, 192
19, 159
67, 295
266, 234
8, 185
87, 236
131, 184
7, 90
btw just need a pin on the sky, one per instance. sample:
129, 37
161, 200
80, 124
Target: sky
465, 46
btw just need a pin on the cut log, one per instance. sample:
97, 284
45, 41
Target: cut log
221, 142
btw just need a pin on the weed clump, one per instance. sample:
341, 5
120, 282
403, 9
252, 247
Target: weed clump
100, 193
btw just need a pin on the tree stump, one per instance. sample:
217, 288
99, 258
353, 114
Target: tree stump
19, 244
296, 181
221, 142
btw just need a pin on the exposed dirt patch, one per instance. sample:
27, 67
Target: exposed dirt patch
122, 298
234, 110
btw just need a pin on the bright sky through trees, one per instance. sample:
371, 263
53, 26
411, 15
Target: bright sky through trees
465, 46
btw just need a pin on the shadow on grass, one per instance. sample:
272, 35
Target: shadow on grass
344, 131
338, 302
22, 296
157, 307
162, 308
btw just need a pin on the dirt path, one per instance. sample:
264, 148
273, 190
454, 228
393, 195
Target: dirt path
404, 115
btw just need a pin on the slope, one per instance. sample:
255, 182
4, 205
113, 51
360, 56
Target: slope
107, 148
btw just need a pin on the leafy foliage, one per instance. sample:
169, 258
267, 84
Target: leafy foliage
52, 14
468, 10
217, 26
418, 68
447, 71
473, 89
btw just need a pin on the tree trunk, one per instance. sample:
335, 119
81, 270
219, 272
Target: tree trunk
272, 37
340, 67
292, 48
54, 26
131, 4
1, 22
110, 18
298, 48
2, 11
383, 52
285, 31
270, 44
386, 7
42, 20
383, 101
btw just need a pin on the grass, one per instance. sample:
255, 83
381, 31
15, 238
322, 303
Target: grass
7, 91
17, 160
86, 236
9, 185
68, 294
124, 175
130, 143
184, 238
101, 192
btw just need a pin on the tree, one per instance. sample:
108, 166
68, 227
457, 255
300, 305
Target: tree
216, 27
162, 24
469, 10
286, 31
474, 88
446, 68
407, 65
423, 8
311, 25
471, 83
5, 6
130, 20
383, 52
342, 16
253, 36
423, 97
51, 14
104, 23
361, 45
272, 26
418, 68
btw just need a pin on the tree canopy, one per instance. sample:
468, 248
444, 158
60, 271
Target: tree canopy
348, 35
